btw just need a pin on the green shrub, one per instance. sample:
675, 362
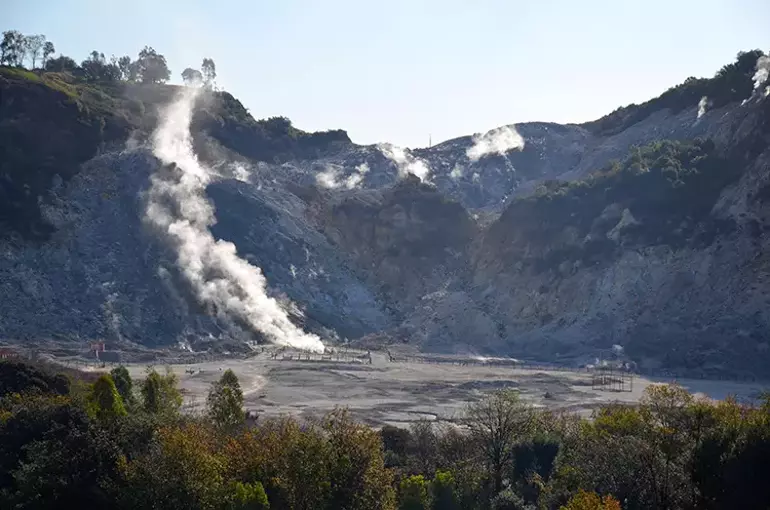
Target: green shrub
413, 493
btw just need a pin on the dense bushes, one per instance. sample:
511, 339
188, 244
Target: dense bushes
18, 377
732, 83
273, 140
672, 451
662, 194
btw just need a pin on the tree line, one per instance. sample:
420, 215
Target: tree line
19, 50
16, 48
112, 442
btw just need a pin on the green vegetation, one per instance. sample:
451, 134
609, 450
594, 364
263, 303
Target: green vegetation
17, 377
160, 395
274, 139
49, 124
444, 492
591, 501
662, 194
105, 402
124, 385
732, 83
83, 449
192, 76
58, 115
16, 48
413, 493
225, 401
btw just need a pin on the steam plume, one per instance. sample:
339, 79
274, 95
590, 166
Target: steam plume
496, 141
457, 172
330, 178
177, 207
702, 104
763, 72
354, 180
406, 163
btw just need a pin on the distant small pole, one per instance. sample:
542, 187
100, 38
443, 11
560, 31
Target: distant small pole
430, 140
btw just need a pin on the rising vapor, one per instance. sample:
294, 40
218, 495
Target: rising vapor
702, 104
406, 163
355, 179
496, 141
178, 207
331, 177
762, 73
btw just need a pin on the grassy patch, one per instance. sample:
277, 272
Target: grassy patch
19, 74
59, 82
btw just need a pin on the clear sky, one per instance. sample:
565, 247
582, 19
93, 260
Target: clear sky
399, 70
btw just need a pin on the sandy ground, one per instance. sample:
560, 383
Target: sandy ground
402, 392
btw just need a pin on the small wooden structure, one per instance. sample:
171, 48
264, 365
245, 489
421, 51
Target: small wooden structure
611, 378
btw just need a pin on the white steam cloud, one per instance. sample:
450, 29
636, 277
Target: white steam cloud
355, 179
241, 173
762, 73
406, 163
178, 207
330, 178
496, 141
702, 104
457, 172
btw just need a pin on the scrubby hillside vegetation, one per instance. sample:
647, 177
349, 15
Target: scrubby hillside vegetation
733, 83
662, 251
647, 228
55, 117
116, 443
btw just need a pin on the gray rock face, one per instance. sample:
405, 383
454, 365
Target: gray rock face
98, 277
700, 307
484, 187
359, 250
271, 230
104, 274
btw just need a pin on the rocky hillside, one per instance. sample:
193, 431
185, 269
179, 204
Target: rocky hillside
647, 228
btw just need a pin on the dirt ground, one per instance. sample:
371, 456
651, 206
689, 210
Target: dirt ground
398, 393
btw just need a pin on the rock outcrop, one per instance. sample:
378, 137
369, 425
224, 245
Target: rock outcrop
648, 228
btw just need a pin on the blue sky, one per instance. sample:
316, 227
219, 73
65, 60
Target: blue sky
399, 70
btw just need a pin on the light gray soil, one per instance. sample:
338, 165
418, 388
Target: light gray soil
402, 392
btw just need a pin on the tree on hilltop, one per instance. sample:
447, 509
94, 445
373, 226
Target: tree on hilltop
192, 76
209, 70
33, 45
96, 68
48, 50
61, 64
152, 67
12, 48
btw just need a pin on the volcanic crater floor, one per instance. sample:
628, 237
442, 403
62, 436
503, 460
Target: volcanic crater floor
402, 392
